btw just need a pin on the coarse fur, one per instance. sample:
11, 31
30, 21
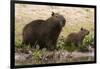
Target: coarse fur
44, 32
76, 38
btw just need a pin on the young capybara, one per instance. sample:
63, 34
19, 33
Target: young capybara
77, 37
44, 32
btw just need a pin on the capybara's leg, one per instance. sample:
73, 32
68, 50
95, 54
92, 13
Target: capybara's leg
50, 45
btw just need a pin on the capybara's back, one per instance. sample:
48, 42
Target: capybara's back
30, 32
44, 32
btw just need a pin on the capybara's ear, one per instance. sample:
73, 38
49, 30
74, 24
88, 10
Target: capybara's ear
52, 13
81, 28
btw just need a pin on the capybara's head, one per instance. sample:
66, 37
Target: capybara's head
84, 31
58, 17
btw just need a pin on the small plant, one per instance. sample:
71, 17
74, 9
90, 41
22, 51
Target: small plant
60, 43
37, 54
18, 44
88, 39
86, 43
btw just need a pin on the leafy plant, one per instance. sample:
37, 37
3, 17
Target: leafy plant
86, 43
37, 54
60, 43
18, 44
88, 40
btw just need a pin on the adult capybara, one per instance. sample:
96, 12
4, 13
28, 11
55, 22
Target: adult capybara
76, 38
44, 32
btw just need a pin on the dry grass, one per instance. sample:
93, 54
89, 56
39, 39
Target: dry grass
75, 17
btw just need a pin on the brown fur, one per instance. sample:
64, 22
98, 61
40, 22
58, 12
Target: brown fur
77, 38
44, 32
